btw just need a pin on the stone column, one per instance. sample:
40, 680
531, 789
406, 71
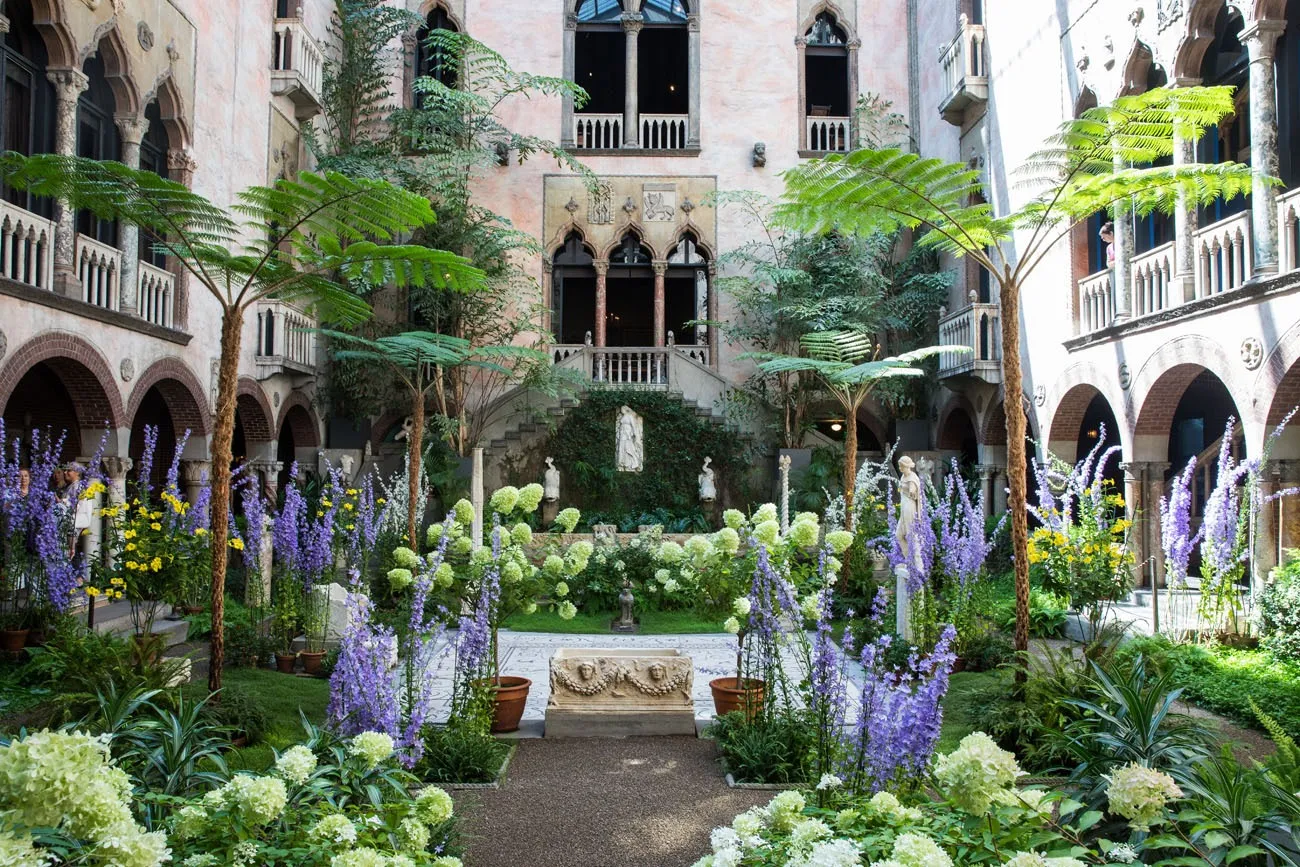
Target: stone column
1123, 285
116, 468
1155, 490
1000, 483
69, 84
194, 475
986, 472
1185, 225
1260, 39
632, 24
784, 464
180, 168
602, 271
1137, 476
660, 267
712, 305
1266, 529
132, 130
476, 497
693, 85
570, 74
801, 58
548, 295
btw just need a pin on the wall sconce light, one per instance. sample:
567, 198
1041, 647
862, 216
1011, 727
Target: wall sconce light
837, 427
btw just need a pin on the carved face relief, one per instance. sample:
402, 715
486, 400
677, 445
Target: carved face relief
586, 671
658, 672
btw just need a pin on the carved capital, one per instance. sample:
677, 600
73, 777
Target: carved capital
660, 267
632, 22
1260, 37
601, 267
693, 22
195, 472
131, 127
181, 162
409, 42
68, 83
570, 22
117, 467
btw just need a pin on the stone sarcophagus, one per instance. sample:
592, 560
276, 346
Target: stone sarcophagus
598, 692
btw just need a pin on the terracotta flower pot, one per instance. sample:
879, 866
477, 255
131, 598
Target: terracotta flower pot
508, 708
285, 662
727, 697
36, 638
312, 661
13, 640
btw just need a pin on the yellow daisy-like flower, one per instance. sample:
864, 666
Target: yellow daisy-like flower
201, 531
155, 564
327, 503
117, 579
130, 564
92, 591
237, 544
347, 506
352, 526
129, 534
130, 546
352, 492
380, 501
117, 595
155, 526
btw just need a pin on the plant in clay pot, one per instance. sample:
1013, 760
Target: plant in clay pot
315, 621
284, 629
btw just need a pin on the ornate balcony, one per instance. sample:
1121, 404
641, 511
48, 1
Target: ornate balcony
286, 341
604, 132
297, 67
99, 270
26, 247
978, 328
1288, 227
156, 293
829, 134
965, 72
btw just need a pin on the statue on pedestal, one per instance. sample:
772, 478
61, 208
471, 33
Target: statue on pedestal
551, 482
708, 490
629, 441
910, 489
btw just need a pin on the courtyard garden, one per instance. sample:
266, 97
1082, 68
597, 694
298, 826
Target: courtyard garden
883, 671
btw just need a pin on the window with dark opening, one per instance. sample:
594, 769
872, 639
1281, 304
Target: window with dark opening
1226, 63
27, 114
686, 292
826, 72
432, 61
573, 290
97, 139
153, 158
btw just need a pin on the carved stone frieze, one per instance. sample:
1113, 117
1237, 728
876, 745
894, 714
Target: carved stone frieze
620, 680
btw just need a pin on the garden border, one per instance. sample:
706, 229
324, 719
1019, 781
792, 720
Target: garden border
494, 784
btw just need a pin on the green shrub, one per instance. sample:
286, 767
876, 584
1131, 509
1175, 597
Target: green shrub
769, 749
460, 755
238, 711
1047, 614
1279, 612
987, 651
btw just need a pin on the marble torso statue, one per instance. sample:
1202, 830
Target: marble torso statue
708, 490
909, 494
629, 442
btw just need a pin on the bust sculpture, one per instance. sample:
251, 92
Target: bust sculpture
346, 463
551, 482
708, 490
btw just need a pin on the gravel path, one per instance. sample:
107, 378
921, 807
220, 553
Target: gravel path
610, 802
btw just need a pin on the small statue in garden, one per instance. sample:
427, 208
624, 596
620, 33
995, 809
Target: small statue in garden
909, 506
346, 464
408, 425
551, 482
625, 622
629, 446
708, 490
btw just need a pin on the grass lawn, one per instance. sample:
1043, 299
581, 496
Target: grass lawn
651, 623
959, 717
281, 696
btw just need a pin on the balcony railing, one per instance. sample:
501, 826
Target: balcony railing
978, 328
1223, 253
297, 66
286, 340
1288, 227
597, 131
156, 292
99, 270
1152, 273
829, 134
965, 72
1096, 302
26, 247
664, 131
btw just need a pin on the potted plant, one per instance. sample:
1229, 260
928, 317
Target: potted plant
315, 620
13, 635
284, 629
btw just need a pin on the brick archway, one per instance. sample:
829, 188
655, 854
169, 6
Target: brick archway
181, 391
296, 411
1159, 384
994, 430
82, 370
943, 432
254, 411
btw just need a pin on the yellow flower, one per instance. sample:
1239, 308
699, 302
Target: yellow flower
92, 591
237, 543
380, 501
352, 526
130, 564
117, 595
155, 564
155, 515
347, 506
129, 534
352, 492
116, 579
130, 546
327, 503
201, 531
155, 526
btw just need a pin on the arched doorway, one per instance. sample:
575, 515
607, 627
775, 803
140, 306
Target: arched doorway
153, 413
298, 437
686, 292
27, 121
827, 85
1083, 420
957, 434
573, 291
42, 402
629, 316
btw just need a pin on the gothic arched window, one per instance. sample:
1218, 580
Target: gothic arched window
828, 100
432, 61
27, 101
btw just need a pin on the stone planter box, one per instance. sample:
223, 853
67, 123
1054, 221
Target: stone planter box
605, 692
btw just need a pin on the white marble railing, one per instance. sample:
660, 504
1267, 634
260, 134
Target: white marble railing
598, 131
296, 51
699, 354
963, 63
1288, 229
26, 247
829, 134
1152, 273
664, 131
977, 328
630, 365
285, 335
156, 293
99, 270
1096, 302
1223, 255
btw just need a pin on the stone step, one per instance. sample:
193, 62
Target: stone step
115, 619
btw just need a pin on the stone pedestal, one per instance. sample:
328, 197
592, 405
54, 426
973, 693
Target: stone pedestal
597, 692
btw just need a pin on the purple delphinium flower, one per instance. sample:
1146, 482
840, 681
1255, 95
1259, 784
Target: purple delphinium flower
963, 545
421, 647
1176, 536
363, 685
144, 470
285, 530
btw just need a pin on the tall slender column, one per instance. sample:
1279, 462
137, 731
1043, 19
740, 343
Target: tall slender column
116, 468
1136, 475
1000, 483
660, 267
1185, 225
1266, 529
570, 74
632, 24
132, 130
1123, 286
550, 309
1260, 38
712, 305
194, 475
69, 84
801, 58
180, 168
986, 472
602, 271
693, 84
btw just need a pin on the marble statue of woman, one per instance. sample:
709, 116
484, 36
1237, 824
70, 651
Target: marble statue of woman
909, 495
708, 490
551, 482
629, 447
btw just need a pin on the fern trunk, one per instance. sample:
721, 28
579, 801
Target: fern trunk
1012, 388
232, 323
850, 466
415, 447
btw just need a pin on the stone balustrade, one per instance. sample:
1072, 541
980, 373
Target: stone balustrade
829, 134
1223, 253
298, 66
156, 294
1152, 273
664, 131
965, 72
286, 339
1288, 226
598, 131
977, 328
1096, 302
26, 247
99, 271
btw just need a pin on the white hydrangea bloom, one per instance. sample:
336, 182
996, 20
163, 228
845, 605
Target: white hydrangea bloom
829, 781
831, 853
371, 747
918, 850
296, 764
975, 771
1140, 794
335, 828
433, 805
731, 625
807, 832
742, 606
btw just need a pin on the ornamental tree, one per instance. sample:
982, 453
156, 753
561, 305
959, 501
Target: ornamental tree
299, 241
1104, 160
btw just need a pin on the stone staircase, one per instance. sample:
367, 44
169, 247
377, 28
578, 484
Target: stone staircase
114, 618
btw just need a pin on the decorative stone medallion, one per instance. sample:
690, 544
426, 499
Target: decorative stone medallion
1040, 395
1252, 353
145, 35
660, 203
127, 369
275, 399
1125, 376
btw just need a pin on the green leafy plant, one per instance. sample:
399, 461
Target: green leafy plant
770, 748
458, 754
1279, 610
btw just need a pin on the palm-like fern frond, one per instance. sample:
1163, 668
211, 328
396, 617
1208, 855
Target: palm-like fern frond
407, 351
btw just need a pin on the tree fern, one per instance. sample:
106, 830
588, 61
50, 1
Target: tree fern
1284, 765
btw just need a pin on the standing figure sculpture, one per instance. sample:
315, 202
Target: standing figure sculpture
708, 490
629, 443
910, 490
550, 482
